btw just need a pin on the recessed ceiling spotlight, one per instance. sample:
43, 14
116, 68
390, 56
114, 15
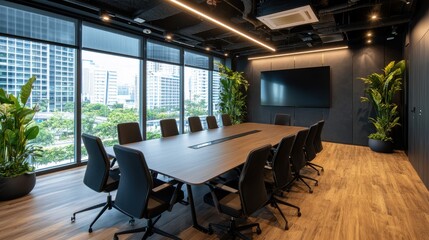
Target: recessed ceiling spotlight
147, 31
168, 36
207, 48
226, 54
369, 41
369, 34
374, 17
139, 20
105, 16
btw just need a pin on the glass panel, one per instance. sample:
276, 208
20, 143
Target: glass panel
196, 60
162, 95
54, 93
196, 94
96, 37
110, 94
216, 94
43, 25
162, 52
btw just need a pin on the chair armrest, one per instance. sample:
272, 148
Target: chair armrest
268, 167
226, 188
165, 185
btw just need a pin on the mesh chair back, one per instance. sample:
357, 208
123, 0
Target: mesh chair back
98, 166
226, 120
129, 132
297, 155
252, 190
310, 152
211, 122
195, 124
136, 182
281, 163
318, 138
282, 119
169, 127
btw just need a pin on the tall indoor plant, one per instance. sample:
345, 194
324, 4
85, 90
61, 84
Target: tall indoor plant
16, 151
232, 97
380, 90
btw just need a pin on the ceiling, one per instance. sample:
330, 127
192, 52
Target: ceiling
339, 21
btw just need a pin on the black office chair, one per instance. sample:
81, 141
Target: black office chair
136, 193
99, 177
168, 127
310, 151
318, 138
211, 122
195, 124
297, 158
226, 120
278, 174
250, 196
129, 132
282, 119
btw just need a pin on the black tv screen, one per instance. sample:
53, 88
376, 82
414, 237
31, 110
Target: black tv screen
302, 87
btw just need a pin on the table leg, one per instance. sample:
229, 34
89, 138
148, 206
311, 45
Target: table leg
194, 215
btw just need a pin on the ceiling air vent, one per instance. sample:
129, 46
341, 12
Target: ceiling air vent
289, 18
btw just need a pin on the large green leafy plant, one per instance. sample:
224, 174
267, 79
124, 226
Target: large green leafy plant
380, 90
17, 129
232, 98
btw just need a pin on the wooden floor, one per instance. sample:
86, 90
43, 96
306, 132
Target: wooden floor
361, 195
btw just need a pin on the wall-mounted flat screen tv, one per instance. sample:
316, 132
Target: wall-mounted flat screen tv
302, 87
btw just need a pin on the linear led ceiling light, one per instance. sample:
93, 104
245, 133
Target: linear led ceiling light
298, 53
221, 24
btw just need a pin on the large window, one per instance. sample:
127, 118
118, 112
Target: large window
110, 94
177, 83
216, 88
162, 87
196, 87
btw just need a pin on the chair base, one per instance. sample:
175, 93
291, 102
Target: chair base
301, 178
149, 230
234, 230
106, 206
313, 166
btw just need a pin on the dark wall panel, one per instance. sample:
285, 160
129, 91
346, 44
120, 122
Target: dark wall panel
346, 121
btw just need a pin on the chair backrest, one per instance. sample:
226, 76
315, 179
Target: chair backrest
136, 181
253, 194
129, 132
98, 166
318, 138
211, 122
168, 127
297, 155
281, 163
226, 120
310, 152
282, 119
195, 124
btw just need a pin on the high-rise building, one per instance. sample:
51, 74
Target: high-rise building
53, 66
99, 85
163, 85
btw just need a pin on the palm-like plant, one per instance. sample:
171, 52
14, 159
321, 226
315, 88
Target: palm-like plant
233, 88
380, 89
17, 128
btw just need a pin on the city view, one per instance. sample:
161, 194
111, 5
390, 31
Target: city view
110, 92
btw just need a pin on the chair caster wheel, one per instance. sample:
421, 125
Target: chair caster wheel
299, 214
131, 222
323, 170
90, 230
115, 238
287, 226
316, 184
258, 230
310, 191
72, 219
318, 173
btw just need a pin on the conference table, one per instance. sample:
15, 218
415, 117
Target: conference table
199, 157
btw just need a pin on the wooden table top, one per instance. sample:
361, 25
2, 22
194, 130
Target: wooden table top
173, 157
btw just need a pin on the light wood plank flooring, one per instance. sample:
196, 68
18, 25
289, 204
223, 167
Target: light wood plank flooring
361, 195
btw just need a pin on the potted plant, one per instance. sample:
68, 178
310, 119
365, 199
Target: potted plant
380, 90
232, 97
17, 177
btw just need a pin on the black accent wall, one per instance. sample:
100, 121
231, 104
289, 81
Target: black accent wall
346, 121
417, 52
